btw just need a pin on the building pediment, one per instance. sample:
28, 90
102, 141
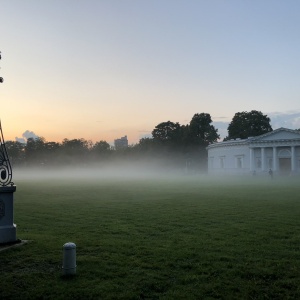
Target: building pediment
278, 134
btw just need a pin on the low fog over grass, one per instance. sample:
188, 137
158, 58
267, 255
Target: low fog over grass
121, 170
151, 227
154, 170
153, 235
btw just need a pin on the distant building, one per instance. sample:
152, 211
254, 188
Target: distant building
121, 143
278, 151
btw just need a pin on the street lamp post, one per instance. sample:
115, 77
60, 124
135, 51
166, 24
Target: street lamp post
1, 79
7, 189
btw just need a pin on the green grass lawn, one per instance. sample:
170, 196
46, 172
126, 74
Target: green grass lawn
187, 238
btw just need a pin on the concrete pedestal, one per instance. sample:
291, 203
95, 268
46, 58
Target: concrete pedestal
7, 226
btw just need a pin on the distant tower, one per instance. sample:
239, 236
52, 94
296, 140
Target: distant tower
121, 143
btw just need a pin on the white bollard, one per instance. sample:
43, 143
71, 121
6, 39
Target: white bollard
69, 259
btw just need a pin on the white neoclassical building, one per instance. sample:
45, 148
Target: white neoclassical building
278, 150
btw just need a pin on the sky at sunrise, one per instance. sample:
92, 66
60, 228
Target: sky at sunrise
102, 69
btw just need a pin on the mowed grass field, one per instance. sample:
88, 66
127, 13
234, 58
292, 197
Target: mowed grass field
163, 238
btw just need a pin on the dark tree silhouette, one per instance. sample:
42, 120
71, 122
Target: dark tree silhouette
101, 147
202, 132
15, 152
166, 131
246, 124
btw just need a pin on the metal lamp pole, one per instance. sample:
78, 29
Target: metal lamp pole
7, 189
1, 79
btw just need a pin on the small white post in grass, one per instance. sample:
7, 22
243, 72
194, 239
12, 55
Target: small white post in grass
69, 259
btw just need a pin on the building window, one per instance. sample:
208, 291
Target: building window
239, 162
222, 162
211, 162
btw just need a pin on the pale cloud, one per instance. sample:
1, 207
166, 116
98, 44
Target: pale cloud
222, 128
25, 136
289, 119
20, 140
145, 135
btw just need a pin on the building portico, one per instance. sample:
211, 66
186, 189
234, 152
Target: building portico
278, 150
273, 157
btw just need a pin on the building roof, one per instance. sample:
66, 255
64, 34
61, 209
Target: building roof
278, 135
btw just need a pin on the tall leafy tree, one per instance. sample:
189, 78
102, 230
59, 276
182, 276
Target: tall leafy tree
101, 147
52, 153
166, 131
100, 152
75, 146
197, 135
75, 151
35, 150
246, 124
145, 144
15, 152
51, 147
201, 131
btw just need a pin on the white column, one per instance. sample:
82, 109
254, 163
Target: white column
251, 159
263, 159
293, 159
274, 159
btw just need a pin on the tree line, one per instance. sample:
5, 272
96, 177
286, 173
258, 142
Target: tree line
171, 144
